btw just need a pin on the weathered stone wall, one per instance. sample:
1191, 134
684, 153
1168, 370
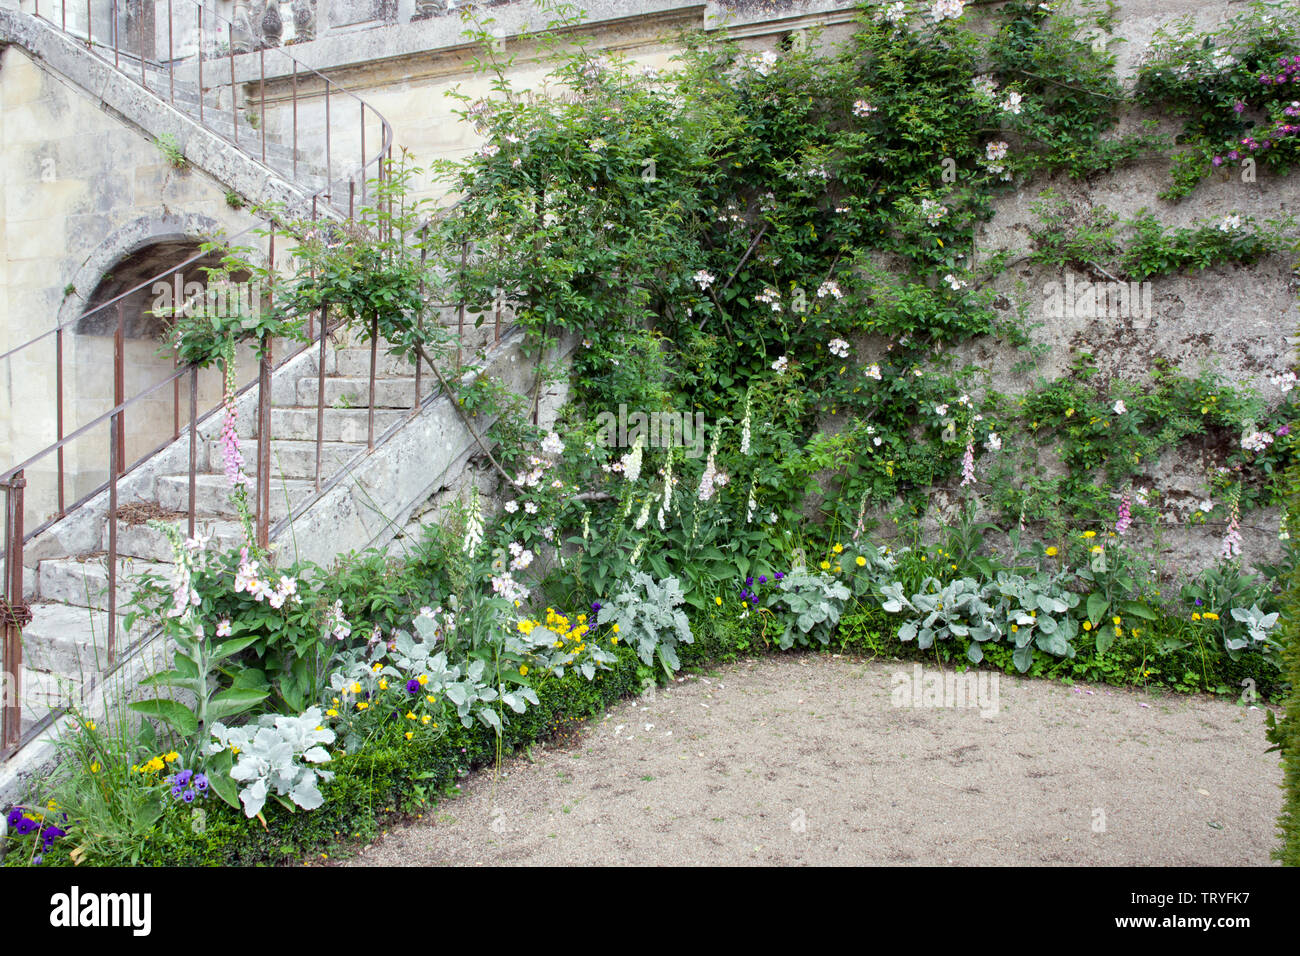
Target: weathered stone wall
1230, 319
404, 57
81, 190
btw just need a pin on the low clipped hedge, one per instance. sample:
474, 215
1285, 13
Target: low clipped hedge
394, 776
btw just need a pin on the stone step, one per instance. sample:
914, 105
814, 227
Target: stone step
150, 544
63, 639
212, 494
352, 363
355, 392
289, 458
84, 584
341, 424
284, 387
42, 692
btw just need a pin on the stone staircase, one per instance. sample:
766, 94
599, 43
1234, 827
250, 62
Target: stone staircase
218, 116
65, 645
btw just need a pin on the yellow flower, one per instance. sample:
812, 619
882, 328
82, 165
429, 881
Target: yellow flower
377, 668
1087, 625
1195, 616
425, 719
431, 699
1014, 628
922, 557
838, 569
410, 715
615, 628
331, 712
838, 548
172, 757
717, 601
90, 725
1114, 620
94, 767
1090, 534
1119, 632
423, 679
1097, 549
523, 670
953, 566
860, 561
826, 565
409, 735
355, 688
612, 640
1210, 616
383, 685
1051, 552
362, 705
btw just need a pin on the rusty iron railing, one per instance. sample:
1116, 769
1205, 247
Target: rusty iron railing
245, 70
14, 612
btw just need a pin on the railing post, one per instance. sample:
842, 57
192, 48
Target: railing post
58, 410
261, 119
171, 57
329, 165
234, 104
264, 445
11, 679
363, 154
194, 443
143, 79
374, 357
119, 387
419, 318
295, 120
176, 398
460, 311
200, 65
117, 61
320, 392
115, 464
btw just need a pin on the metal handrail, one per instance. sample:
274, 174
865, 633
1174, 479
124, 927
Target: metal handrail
299, 69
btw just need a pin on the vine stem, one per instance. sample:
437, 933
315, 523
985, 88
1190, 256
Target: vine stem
478, 439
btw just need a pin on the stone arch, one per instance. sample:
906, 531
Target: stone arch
130, 250
137, 252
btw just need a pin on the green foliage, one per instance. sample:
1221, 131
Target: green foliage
647, 615
1094, 239
276, 756
1284, 733
172, 152
234, 309
811, 604
1211, 81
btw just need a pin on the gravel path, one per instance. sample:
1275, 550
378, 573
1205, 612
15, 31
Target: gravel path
805, 759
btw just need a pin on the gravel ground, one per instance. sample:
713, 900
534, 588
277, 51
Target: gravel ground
807, 760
